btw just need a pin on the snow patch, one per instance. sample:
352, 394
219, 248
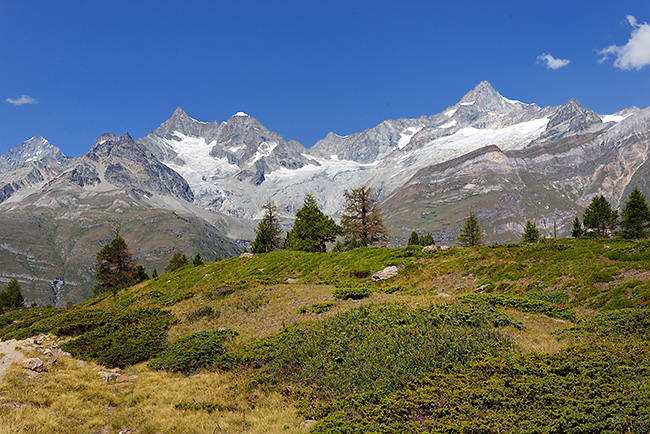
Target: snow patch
614, 118
200, 167
451, 123
263, 150
467, 103
406, 136
450, 113
240, 114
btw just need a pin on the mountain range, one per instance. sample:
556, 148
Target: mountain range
199, 186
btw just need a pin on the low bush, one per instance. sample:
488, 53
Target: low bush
375, 347
129, 338
616, 324
202, 350
351, 292
202, 312
205, 406
587, 389
523, 304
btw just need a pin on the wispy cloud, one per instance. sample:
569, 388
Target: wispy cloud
636, 53
551, 62
24, 99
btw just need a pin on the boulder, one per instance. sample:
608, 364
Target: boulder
386, 273
34, 364
432, 248
246, 255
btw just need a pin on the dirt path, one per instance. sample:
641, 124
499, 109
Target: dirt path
8, 355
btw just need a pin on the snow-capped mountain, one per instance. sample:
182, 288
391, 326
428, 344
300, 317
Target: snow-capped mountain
35, 149
506, 160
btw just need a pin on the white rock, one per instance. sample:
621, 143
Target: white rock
386, 273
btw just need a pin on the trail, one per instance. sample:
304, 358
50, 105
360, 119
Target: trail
8, 355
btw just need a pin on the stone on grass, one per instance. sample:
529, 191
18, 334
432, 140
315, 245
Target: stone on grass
34, 364
386, 273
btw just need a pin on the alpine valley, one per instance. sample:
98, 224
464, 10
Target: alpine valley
199, 187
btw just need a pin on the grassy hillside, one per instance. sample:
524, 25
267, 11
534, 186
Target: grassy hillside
545, 337
38, 245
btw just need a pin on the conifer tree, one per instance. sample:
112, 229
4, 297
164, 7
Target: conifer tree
178, 260
116, 267
471, 233
264, 239
427, 240
531, 233
311, 229
577, 231
154, 273
414, 239
198, 260
635, 216
12, 296
599, 217
269, 232
362, 219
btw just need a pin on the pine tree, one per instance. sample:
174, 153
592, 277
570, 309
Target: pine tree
531, 233
116, 268
154, 273
311, 229
12, 296
427, 240
362, 217
178, 260
635, 216
471, 233
577, 231
600, 217
198, 260
264, 239
414, 239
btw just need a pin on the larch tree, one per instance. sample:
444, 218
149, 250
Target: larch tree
362, 218
269, 232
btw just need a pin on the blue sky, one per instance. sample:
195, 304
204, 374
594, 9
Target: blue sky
72, 70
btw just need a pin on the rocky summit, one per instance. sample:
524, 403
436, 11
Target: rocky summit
505, 160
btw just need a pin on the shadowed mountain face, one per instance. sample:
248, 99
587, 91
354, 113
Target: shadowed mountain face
505, 160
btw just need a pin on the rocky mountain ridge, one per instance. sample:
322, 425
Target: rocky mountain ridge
503, 159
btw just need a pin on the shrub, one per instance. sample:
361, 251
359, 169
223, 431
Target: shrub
354, 293
202, 312
129, 338
204, 405
375, 347
199, 350
523, 304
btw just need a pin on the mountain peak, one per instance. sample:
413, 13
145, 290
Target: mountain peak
35, 149
483, 92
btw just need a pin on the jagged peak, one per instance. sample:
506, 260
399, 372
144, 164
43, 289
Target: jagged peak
483, 91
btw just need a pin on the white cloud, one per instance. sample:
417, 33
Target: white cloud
551, 62
24, 99
636, 53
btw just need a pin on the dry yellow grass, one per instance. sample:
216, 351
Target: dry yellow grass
74, 399
539, 333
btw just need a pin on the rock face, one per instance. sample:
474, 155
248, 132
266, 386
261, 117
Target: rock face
34, 149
